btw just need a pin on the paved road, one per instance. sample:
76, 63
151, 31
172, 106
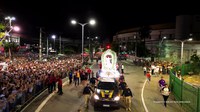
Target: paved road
154, 99
71, 102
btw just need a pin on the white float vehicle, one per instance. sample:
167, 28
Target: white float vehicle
107, 92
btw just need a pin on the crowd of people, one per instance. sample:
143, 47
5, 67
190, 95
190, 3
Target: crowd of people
23, 78
159, 69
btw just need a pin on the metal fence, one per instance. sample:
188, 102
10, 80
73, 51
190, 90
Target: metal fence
25, 97
184, 69
185, 94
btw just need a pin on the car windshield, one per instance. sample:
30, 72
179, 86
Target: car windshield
107, 85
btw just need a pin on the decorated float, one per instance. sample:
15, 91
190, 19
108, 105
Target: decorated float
109, 62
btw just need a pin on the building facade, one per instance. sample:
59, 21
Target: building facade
163, 36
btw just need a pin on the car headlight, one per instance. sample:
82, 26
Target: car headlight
96, 97
116, 98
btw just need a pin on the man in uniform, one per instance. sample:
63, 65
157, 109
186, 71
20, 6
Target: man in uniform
128, 95
87, 92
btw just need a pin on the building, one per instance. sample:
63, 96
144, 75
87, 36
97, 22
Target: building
162, 38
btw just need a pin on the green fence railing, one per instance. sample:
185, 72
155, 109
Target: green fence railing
185, 68
185, 94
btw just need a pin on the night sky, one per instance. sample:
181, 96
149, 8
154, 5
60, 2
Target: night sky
111, 15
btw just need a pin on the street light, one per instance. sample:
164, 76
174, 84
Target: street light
160, 45
163, 39
182, 44
91, 22
91, 50
15, 28
11, 28
10, 25
10, 20
54, 38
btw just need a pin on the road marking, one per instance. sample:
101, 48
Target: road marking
36, 98
47, 99
142, 97
33, 100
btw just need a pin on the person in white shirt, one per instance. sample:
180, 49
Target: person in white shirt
145, 70
152, 69
165, 94
122, 69
156, 71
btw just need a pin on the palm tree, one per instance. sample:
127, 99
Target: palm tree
10, 47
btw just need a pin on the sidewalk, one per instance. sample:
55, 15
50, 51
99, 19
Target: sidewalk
154, 100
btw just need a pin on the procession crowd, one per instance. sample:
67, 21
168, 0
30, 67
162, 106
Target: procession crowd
22, 79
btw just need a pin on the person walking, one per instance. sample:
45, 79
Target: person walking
148, 75
70, 77
122, 86
87, 92
127, 93
165, 94
145, 70
93, 81
53, 82
60, 92
122, 69
49, 83
76, 78
161, 83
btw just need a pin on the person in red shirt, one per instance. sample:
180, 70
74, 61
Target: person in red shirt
148, 75
89, 73
53, 82
49, 82
59, 80
100, 65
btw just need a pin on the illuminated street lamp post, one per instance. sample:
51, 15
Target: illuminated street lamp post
182, 44
15, 28
91, 50
10, 20
11, 28
160, 46
92, 22
54, 38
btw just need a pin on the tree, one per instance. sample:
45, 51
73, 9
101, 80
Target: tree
2, 32
142, 50
195, 65
144, 33
115, 46
69, 50
10, 47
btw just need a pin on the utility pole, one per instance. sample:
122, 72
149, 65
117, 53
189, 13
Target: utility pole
47, 47
60, 45
89, 48
40, 45
135, 37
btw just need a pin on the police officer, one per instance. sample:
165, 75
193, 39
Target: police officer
128, 95
93, 81
87, 92
122, 86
